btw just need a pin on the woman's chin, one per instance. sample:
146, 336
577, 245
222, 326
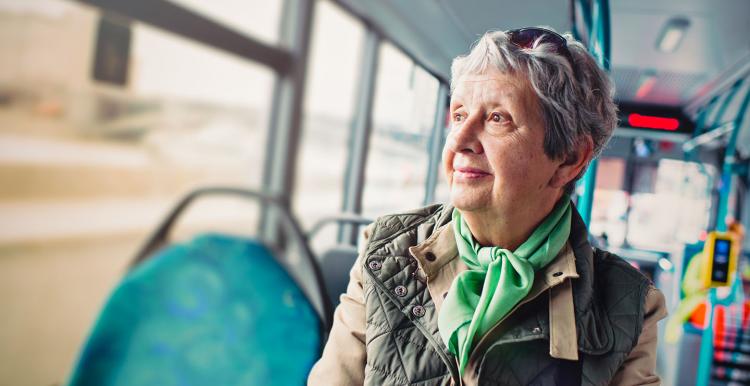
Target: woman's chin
468, 200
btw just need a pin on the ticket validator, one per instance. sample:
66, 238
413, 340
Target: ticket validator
719, 260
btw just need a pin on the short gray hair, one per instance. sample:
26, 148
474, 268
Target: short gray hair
576, 98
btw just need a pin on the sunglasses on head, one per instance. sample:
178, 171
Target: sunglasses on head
526, 37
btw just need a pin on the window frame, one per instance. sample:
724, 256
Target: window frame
289, 61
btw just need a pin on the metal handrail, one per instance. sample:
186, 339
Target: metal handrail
159, 238
348, 218
708, 136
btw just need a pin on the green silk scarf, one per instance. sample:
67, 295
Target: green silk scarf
496, 281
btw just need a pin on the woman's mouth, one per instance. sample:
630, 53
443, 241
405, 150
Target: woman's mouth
469, 173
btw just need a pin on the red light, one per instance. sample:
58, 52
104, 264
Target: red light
651, 122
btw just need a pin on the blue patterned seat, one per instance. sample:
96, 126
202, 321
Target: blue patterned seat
217, 310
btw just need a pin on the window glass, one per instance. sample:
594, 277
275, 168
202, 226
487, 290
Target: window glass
256, 18
659, 220
177, 70
89, 168
403, 116
609, 210
656, 218
329, 106
442, 190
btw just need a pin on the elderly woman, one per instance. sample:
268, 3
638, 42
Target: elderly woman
501, 286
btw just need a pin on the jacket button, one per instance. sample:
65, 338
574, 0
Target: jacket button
418, 311
375, 265
400, 291
430, 256
556, 274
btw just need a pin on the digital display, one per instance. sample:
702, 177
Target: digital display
720, 266
654, 117
722, 246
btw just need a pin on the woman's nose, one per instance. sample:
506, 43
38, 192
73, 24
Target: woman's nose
464, 138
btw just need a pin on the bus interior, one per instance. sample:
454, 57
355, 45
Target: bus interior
132, 131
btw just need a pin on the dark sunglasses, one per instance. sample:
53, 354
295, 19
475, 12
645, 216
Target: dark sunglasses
525, 38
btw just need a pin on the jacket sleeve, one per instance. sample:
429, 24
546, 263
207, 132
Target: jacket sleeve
344, 356
640, 366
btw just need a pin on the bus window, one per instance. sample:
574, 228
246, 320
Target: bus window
403, 116
335, 52
656, 220
610, 202
88, 168
257, 19
442, 190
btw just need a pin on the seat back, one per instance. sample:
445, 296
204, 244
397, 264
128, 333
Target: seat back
336, 263
217, 310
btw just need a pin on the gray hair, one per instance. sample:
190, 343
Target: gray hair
576, 98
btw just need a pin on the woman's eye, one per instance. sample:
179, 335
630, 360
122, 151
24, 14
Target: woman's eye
496, 117
458, 117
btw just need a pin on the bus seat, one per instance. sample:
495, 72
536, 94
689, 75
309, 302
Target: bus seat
217, 310
336, 262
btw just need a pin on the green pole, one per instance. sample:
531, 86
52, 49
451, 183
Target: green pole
729, 162
707, 340
599, 45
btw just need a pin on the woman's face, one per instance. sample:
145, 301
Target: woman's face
494, 158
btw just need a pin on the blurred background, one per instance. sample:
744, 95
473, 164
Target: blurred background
110, 111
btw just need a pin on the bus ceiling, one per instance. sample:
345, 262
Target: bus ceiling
670, 53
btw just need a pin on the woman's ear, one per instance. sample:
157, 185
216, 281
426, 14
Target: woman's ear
574, 164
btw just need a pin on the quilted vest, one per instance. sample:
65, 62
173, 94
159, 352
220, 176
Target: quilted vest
402, 340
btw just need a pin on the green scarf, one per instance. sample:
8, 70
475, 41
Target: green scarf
496, 281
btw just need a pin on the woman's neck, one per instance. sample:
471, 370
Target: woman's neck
506, 229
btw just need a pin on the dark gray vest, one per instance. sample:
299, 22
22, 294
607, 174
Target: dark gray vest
405, 348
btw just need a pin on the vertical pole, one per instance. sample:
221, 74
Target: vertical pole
599, 45
692, 155
716, 217
586, 16
359, 141
286, 114
707, 339
436, 144
730, 161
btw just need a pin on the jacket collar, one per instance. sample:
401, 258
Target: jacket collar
439, 262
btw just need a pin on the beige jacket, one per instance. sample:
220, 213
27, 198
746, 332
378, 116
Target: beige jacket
343, 359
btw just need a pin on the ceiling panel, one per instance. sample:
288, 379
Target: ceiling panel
636, 46
435, 31
479, 16
716, 39
670, 88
